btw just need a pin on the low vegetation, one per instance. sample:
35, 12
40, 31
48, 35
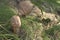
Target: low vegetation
32, 27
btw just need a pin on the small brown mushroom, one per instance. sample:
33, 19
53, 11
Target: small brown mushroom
16, 24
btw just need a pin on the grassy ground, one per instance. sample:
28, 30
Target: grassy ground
29, 24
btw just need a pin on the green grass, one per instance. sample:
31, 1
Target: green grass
5, 13
30, 24
50, 3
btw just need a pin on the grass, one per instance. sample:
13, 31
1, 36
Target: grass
5, 13
30, 24
50, 3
